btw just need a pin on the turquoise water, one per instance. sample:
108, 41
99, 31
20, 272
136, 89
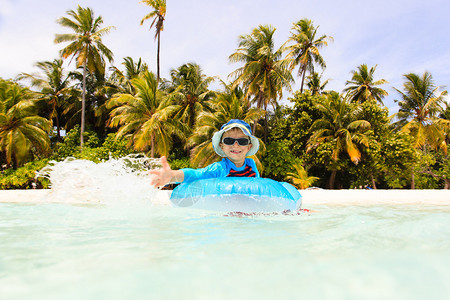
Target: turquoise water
133, 250
116, 245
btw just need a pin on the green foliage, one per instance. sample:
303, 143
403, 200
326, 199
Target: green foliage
54, 90
339, 126
190, 91
315, 84
425, 182
113, 147
300, 177
147, 118
432, 169
24, 177
445, 114
23, 134
443, 165
70, 146
180, 163
294, 126
372, 167
293, 129
278, 160
93, 149
399, 156
377, 115
321, 158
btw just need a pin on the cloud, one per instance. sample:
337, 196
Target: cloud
5, 8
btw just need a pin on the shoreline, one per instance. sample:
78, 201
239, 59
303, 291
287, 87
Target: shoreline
327, 197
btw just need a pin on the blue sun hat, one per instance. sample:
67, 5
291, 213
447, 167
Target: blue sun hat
235, 123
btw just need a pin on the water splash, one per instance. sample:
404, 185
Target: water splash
114, 181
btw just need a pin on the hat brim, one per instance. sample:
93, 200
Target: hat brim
218, 136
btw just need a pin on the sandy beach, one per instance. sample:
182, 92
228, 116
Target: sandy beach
329, 197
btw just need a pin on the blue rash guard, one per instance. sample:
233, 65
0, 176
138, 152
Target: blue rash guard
223, 168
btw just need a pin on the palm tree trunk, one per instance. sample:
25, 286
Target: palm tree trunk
266, 128
303, 78
152, 149
157, 59
58, 135
254, 126
332, 179
413, 183
258, 104
374, 185
83, 104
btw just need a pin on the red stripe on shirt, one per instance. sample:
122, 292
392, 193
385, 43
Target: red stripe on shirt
247, 172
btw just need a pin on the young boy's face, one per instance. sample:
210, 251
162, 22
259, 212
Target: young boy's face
236, 153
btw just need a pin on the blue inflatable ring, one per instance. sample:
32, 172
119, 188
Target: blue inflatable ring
231, 194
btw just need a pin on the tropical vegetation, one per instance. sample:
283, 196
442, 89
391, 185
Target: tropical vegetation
325, 138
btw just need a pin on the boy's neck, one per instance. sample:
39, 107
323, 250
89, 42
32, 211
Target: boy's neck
239, 164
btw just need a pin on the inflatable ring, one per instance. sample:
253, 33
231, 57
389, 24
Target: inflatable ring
247, 194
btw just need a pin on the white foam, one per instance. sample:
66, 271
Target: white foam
82, 181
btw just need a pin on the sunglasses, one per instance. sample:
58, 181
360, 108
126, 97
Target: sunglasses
241, 141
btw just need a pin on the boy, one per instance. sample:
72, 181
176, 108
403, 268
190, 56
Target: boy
234, 142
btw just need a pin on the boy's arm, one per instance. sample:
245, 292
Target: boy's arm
165, 175
214, 170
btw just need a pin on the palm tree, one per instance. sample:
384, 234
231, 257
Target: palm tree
264, 74
146, 118
190, 90
22, 132
363, 87
228, 105
419, 112
158, 14
315, 85
340, 127
300, 177
121, 81
304, 52
101, 88
55, 89
86, 44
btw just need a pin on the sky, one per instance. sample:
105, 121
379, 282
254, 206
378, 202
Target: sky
400, 37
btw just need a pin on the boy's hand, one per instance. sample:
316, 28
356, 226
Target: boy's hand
162, 176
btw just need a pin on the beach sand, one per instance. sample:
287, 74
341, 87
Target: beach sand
319, 196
